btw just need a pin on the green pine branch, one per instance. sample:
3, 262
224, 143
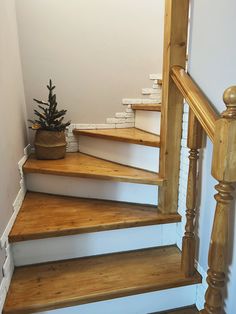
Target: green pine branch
49, 118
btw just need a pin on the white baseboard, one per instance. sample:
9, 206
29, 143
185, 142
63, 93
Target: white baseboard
201, 288
8, 266
95, 243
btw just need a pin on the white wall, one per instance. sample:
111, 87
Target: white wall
13, 137
96, 51
213, 66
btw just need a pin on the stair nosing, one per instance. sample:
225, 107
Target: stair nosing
147, 107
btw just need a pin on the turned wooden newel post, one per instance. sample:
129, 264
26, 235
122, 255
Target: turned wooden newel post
189, 240
224, 170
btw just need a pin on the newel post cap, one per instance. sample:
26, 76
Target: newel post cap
230, 102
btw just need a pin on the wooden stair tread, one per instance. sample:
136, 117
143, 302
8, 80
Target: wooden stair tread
130, 135
146, 107
186, 310
45, 215
84, 280
85, 166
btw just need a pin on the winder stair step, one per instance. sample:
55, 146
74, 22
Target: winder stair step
146, 107
67, 283
85, 166
129, 135
186, 310
44, 215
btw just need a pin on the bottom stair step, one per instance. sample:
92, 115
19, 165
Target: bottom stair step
67, 283
186, 310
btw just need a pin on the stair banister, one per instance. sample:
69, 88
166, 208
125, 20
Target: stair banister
223, 170
221, 129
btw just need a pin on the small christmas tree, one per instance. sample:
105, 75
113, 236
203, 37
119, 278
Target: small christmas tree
49, 118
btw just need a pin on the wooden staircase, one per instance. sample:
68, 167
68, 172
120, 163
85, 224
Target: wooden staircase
47, 219
70, 282
53, 281
66, 283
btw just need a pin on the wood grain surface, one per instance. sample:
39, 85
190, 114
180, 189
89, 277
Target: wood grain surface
85, 166
129, 135
147, 107
72, 282
45, 215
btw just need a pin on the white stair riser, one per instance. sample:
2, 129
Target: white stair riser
137, 304
149, 121
91, 188
140, 156
95, 243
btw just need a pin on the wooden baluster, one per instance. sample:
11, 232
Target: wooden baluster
189, 241
224, 170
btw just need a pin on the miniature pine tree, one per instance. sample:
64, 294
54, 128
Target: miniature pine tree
50, 118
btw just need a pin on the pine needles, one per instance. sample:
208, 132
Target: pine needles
49, 117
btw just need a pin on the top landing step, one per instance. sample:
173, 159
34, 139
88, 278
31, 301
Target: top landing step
146, 107
129, 135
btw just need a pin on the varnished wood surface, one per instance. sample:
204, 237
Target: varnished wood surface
85, 166
224, 152
147, 107
45, 215
186, 310
67, 283
198, 102
195, 133
174, 52
223, 169
129, 135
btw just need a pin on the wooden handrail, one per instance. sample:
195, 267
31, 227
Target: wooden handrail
197, 101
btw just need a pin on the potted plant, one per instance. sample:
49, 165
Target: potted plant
50, 140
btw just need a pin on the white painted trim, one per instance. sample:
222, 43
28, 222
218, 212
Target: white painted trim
93, 243
137, 304
148, 121
8, 266
201, 288
92, 188
134, 155
8, 269
156, 76
143, 101
18, 200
